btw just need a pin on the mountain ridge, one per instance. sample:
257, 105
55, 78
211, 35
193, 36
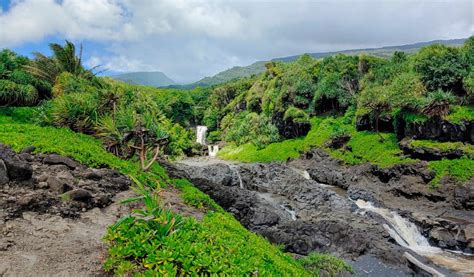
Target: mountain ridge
145, 78
258, 67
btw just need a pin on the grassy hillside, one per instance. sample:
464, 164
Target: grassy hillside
259, 67
343, 103
218, 244
151, 79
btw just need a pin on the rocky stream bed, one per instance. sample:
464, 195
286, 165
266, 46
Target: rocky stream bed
386, 222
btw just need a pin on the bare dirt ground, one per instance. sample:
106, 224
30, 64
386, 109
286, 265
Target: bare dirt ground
50, 245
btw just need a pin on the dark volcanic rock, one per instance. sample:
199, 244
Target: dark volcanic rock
403, 188
279, 203
57, 159
429, 154
365, 123
50, 177
28, 150
3, 173
79, 195
464, 196
438, 129
18, 169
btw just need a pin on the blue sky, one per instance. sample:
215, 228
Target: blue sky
188, 40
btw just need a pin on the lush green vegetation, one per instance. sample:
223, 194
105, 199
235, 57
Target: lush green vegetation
332, 94
285, 111
169, 244
364, 146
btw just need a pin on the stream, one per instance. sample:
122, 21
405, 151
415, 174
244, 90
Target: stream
285, 204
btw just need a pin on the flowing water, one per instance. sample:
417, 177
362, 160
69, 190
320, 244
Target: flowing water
289, 211
406, 234
213, 149
241, 184
201, 132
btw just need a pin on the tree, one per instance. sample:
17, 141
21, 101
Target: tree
64, 59
375, 101
127, 132
441, 67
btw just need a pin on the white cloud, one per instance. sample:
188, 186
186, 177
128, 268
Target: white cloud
190, 39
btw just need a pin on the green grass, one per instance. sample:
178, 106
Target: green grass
460, 113
279, 151
467, 148
217, 244
194, 197
366, 146
461, 169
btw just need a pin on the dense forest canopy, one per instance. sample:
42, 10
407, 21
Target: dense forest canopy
373, 93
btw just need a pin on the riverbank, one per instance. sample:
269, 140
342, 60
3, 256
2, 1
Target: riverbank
290, 204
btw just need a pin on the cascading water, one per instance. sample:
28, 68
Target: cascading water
201, 132
291, 212
241, 183
406, 234
213, 149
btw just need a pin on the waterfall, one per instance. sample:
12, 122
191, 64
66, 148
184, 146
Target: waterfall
201, 132
303, 173
241, 184
213, 149
291, 212
407, 235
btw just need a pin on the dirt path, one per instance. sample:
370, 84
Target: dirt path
50, 245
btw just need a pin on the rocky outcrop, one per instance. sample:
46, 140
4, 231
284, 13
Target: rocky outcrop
279, 203
365, 123
439, 129
427, 153
443, 213
17, 168
53, 184
288, 128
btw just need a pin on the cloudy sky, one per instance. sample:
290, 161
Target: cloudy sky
191, 39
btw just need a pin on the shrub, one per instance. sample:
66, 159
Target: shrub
249, 127
13, 94
441, 67
332, 266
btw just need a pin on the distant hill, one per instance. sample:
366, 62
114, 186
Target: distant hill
259, 67
152, 79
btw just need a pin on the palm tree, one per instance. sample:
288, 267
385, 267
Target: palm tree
64, 59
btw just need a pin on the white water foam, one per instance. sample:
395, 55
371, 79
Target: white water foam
201, 132
406, 234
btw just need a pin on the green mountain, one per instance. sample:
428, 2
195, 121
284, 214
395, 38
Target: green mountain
152, 79
259, 67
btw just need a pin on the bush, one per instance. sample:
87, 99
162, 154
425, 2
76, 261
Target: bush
13, 94
332, 266
441, 67
249, 127
68, 83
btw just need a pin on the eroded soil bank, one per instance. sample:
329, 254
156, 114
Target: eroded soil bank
308, 205
53, 214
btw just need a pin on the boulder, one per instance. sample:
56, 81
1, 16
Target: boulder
18, 169
439, 129
464, 196
28, 150
427, 153
57, 185
3, 173
57, 159
79, 195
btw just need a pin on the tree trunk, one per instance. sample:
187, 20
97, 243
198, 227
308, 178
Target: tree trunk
377, 128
